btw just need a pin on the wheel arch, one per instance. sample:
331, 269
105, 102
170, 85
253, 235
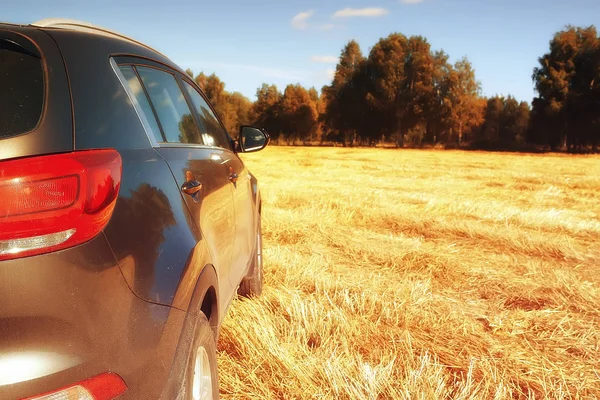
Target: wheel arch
205, 298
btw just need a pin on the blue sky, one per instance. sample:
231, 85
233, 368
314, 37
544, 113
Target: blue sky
288, 41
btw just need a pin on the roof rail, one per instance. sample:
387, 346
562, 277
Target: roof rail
83, 26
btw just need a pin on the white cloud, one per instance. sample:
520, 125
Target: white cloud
324, 59
361, 12
411, 1
326, 27
300, 20
330, 73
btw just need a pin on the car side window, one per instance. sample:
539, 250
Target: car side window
213, 133
136, 89
175, 117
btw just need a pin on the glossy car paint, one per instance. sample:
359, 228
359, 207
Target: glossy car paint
124, 302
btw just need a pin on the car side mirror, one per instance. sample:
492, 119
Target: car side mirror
252, 139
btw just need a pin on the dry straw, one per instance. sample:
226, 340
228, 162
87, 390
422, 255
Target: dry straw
406, 274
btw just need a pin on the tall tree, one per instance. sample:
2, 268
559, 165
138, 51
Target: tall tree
389, 97
419, 68
438, 111
490, 131
337, 110
515, 122
299, 116
466, 107
266, 109
505, 124
567, 82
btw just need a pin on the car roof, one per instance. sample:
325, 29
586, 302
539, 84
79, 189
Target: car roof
84, 26
50, 25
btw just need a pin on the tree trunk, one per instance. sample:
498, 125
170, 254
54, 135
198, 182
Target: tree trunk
400, 138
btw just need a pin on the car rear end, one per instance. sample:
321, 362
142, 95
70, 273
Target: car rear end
69, 323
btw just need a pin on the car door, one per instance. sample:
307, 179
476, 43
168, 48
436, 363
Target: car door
239, 177
197, 167
245, 237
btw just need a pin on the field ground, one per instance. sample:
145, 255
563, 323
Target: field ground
396, 274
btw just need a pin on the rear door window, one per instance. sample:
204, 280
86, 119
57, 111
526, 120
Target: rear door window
21, 85
213, 133
172, 110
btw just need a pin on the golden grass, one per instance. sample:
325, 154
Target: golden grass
397, 274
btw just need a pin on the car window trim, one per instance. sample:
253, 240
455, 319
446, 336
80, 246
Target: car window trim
160, 127
136, 105
191, 145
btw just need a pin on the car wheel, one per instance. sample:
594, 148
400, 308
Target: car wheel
252, 284
202, 382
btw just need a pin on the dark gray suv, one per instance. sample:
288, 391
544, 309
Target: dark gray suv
128, 223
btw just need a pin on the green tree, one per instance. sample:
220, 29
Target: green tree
420, 85
465, 105
266, 109
438, 112
515, 123
505, 125
567, 82
388, 97
338, 105
490, 131
299, 116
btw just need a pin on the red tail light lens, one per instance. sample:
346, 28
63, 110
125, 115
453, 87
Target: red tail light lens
105, 386
48, 203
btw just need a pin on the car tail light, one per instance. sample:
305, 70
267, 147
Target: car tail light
53, 202
106, 386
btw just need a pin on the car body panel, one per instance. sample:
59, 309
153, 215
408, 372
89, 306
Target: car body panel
69, 315
212, 212
245, 212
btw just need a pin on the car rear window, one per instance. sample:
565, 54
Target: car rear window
21, 85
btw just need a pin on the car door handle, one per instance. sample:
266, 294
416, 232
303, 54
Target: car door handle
191, 186
233, 177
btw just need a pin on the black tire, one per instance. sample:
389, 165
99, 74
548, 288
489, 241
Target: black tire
252, 284
204, 340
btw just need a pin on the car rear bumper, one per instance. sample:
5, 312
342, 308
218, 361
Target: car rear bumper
68, 316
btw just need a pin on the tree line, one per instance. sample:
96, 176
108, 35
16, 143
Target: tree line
407, 94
